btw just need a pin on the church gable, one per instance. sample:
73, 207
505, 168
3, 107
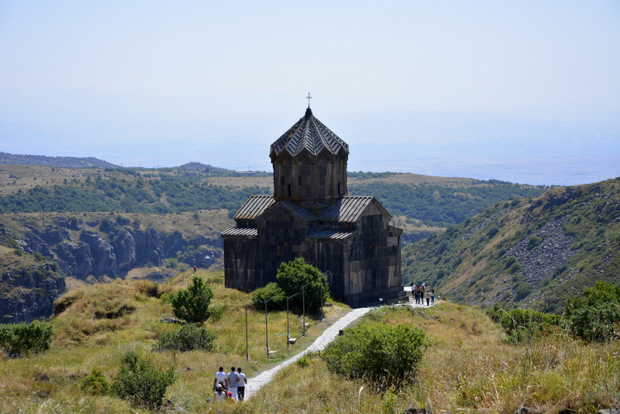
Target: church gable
350, 209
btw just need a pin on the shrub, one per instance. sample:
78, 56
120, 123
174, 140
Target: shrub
523, 290
596, 316
147, 288
189, 338
95, 383
293, 275
270, 291
192, 304
24, 338
140, 382
385, 355
523, 324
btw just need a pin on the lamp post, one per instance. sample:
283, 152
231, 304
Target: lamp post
288, 331
303, 304
247, 345
267, 327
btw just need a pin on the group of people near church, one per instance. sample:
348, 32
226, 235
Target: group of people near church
229, 387
421, 292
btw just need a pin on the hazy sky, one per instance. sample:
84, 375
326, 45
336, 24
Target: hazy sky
526, 91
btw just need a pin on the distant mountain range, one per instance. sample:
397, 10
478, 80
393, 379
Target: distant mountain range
60, 162
91, 162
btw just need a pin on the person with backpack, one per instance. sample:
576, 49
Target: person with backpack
231, 382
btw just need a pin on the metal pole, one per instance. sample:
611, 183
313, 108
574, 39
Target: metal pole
266, 330
288, 331
303, 305
321, 300
247, 346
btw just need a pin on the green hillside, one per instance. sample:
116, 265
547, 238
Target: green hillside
413, 199
528, 252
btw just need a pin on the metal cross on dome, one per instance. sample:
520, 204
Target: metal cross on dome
308, 98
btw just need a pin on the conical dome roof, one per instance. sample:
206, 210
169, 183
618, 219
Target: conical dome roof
311, 134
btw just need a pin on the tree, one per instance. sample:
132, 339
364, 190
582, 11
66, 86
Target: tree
273, 293
293, 275
384, 355
596, 316
192, 304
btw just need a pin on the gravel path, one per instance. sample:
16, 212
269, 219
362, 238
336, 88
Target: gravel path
255, 383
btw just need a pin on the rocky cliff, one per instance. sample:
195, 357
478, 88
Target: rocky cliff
32, 271
100, 248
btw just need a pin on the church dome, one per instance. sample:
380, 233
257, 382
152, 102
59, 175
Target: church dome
311, 134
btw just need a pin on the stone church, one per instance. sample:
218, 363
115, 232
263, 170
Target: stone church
311, 215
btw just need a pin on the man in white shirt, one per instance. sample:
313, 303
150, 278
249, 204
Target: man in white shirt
220, 378
231, 382
241, 384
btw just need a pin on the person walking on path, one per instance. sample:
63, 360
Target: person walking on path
231, 382
433, 296
220, 378
241, 384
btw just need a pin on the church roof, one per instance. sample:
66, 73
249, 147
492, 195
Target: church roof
241, 231
254, 207
331, 234
299, 211
349, 209
308, 133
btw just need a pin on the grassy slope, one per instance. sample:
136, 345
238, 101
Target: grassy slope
129, 319
467, 367
473, 263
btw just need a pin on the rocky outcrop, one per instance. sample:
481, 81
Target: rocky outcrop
74, 259
29, 292
544, 251
149, 248
102, 252
174, 244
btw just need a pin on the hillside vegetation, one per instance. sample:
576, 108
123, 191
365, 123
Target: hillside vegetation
468, 365
528, 252
430, 200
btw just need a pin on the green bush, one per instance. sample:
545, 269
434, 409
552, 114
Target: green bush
596, 315
189, 338
95, 383
293, 275
523, 324
384, 355
172, 263
271, 292
140, 382
523, 290
192, 304
24, 338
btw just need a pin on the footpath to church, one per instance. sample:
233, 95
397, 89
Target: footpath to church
256, 383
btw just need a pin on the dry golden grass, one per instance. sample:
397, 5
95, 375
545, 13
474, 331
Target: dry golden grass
468, 368
49, 382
